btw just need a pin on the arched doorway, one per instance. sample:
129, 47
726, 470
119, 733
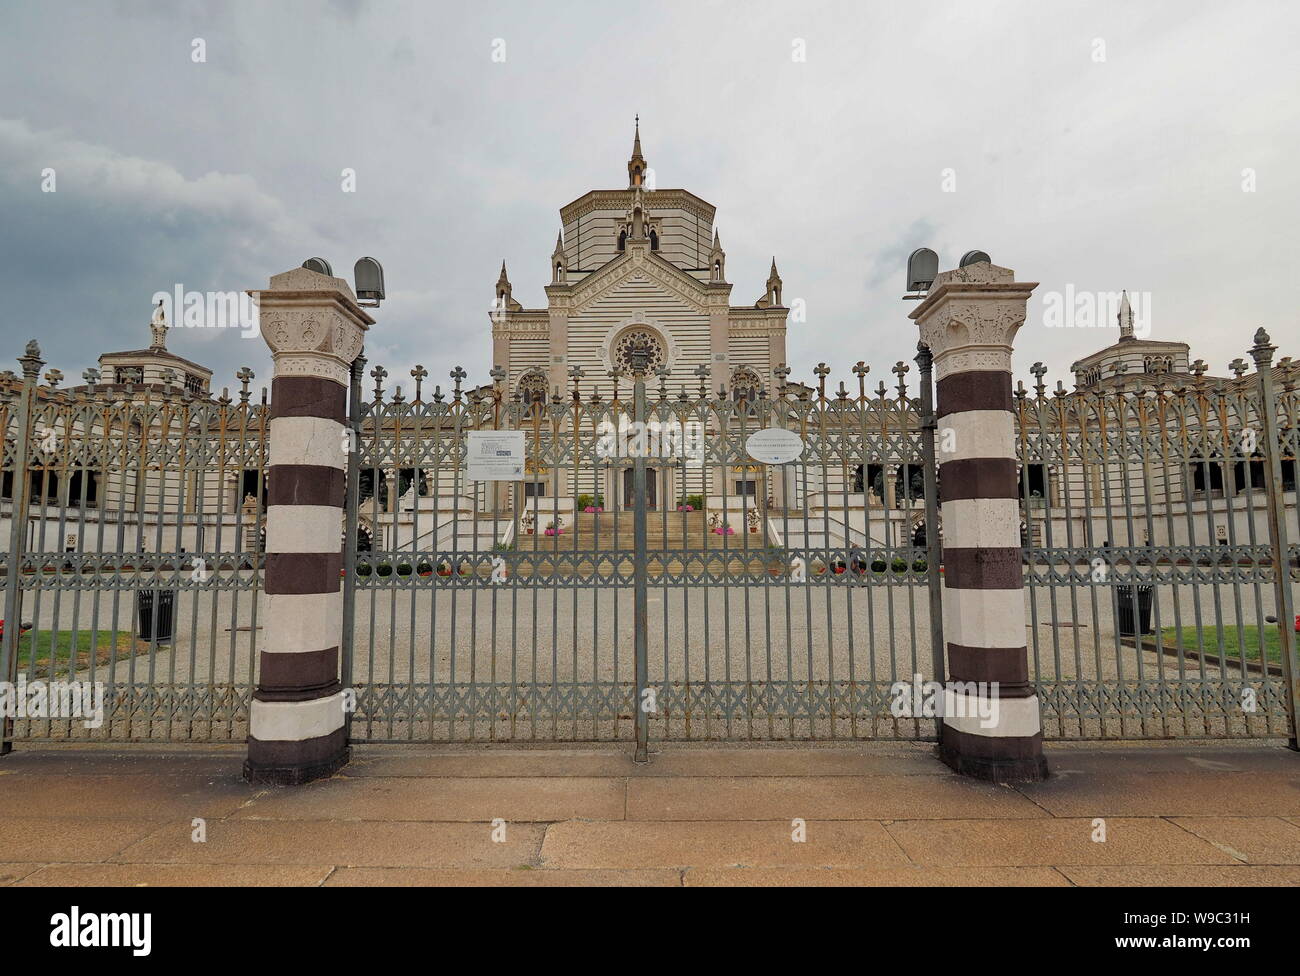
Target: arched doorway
651, 488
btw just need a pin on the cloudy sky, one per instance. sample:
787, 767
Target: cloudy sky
1090, 146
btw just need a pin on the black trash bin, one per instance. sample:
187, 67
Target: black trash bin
1134, 610
155, 609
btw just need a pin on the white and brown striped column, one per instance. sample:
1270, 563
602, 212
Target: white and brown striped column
991, 726
296, 723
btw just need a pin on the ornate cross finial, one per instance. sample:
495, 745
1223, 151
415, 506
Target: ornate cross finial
860, 370
245, 376
702, 371
1039, 371
1199, 368
457, 375
822, 372
91, 376
576, 373
1238, 367
418, 374
168, 377
901, 368
1119, 367
53, 377
378, 374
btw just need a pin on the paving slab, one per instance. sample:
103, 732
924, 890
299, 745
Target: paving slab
904, 876
69, 839
517, 878
177, 875
1182, 875
1171, 757
1258, 840
822, 798
11, 873
443, 798
1051, 842
340, 843
135, 795
1070, 793
577, 844
374, 761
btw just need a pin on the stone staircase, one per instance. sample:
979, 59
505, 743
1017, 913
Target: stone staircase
608, 531
678, 532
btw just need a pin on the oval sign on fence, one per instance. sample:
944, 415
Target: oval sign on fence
775, 445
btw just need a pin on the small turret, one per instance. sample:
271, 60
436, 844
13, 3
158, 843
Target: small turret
717, 260
504, 301
559, 263
772, 298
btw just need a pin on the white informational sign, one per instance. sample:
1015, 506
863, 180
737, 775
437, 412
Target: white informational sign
495, 455
775, 445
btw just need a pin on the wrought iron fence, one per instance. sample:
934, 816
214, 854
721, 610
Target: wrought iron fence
1158, 571
645, 579
132, 519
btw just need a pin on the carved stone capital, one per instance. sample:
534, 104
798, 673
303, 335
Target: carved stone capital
971, 316
312, 323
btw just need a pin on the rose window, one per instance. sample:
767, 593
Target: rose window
622, 352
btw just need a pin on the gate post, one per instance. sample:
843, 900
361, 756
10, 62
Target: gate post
991, 726
296, 729
1262, 353
31, 363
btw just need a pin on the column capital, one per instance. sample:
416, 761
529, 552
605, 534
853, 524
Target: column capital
970, 318
312, 323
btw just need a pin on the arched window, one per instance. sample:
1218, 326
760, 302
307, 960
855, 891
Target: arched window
622, 239
744, 385
532, 389
654, 240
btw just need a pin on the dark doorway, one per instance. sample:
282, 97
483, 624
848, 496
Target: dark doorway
651, 488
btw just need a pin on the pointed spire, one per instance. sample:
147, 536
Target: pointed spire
636, 166
717, 241
1125, 317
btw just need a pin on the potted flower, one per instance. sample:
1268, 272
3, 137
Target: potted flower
444, 567
424, 568
527, 521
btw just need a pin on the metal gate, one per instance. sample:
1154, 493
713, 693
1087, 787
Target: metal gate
728, 600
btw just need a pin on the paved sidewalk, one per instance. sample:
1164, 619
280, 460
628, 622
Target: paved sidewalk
875, 814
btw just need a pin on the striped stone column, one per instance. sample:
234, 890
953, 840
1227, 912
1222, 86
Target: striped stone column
315, 330
991, 727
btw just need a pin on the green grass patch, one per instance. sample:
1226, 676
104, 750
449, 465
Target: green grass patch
61, 645
1234, 639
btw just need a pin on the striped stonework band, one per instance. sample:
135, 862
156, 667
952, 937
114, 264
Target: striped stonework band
296, 726
991, 726
984, 611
